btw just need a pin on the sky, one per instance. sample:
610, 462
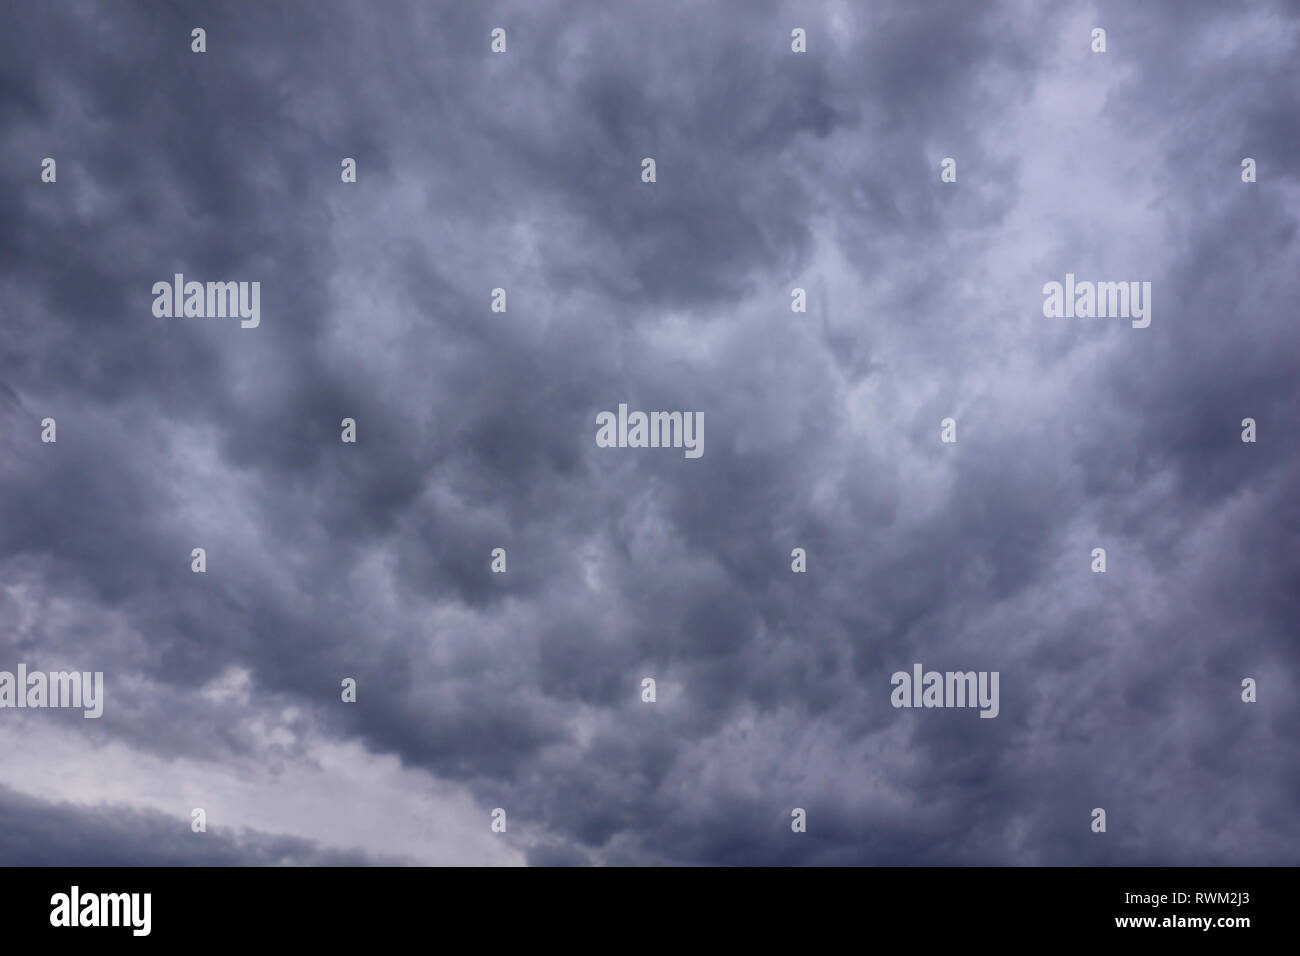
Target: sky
476, 430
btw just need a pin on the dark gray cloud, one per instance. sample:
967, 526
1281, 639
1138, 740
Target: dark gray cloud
36, 833
476, 430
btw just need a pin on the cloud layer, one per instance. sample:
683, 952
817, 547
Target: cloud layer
476, 431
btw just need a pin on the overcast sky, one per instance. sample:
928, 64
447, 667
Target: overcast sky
476, 430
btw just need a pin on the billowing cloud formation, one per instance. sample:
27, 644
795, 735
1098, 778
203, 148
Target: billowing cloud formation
476, 429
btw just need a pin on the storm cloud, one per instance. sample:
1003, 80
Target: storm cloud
476, 430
